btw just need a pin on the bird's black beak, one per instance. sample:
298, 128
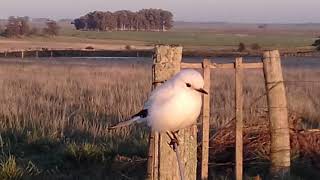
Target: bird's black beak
202, 91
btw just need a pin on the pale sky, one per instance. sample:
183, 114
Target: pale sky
262, 11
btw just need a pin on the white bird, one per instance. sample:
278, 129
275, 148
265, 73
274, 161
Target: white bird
174, 105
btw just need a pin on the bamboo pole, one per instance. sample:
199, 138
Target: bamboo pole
278, 115
205, 120
239, 118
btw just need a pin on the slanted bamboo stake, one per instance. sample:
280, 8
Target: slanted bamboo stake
239, 118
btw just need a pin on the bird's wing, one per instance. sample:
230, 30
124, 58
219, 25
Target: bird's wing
160, 94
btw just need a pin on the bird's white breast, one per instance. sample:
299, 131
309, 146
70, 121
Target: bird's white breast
178, 111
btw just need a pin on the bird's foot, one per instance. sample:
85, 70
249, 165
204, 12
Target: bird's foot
174, 142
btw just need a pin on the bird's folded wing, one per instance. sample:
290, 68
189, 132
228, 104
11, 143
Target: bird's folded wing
161, 94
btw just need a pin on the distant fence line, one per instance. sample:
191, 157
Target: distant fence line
38, 53
75, 53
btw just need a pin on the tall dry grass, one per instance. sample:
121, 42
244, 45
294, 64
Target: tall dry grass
52, 111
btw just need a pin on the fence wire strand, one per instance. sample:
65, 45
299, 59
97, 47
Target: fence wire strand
258, 98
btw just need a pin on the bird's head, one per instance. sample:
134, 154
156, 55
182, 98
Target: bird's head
190, 79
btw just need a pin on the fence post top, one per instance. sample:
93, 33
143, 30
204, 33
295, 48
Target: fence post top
271, 54
238, 62
168, 46
206, 63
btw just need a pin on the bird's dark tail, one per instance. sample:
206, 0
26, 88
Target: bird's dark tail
137, 118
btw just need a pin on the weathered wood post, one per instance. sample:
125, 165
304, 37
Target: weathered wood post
22, 54
205, 120
278, 115
37, 54
162, 158
239, 118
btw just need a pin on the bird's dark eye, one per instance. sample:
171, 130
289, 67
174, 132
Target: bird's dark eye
188, 84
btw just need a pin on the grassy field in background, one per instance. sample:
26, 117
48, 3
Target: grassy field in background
199, 38
54, 115
189, 39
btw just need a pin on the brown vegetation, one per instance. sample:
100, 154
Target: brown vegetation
241, 47
52, 28
54, 114
304, 143
317, 44
20, 26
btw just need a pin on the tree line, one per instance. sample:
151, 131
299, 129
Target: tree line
20, 26
124, 20
316, 44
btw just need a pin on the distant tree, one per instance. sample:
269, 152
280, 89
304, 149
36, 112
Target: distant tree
12, 28
91, 21
241, 47
52, 28
79, 23
33, 31
17, 26
124, 20
110, 21
317, 43
166, 20
255, 46
24, 25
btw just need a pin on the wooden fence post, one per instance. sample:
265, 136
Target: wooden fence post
22, 54
239, 118
278, 115
205, 120
167, 61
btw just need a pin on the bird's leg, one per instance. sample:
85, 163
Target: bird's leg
175, 134
173, 139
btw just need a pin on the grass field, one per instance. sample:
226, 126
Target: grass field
218, 37
199, 38
54, 115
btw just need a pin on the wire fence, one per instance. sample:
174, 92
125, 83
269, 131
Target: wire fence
255, 101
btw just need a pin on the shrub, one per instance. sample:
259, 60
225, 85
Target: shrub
255, 46
9, 169
317, 44
52, 29
128, 47
34, 31
241, 47
17, 26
